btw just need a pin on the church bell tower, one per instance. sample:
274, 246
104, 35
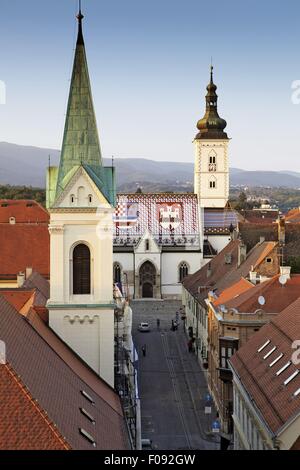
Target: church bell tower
80, 200
211, 175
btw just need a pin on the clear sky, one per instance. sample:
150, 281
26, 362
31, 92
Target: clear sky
149, 66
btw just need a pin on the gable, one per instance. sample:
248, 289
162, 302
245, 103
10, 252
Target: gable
147, 244
81, 191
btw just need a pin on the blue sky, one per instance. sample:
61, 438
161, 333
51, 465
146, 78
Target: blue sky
149, 66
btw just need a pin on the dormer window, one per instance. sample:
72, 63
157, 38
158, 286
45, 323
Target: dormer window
12, 220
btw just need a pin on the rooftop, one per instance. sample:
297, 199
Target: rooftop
276, 296
62, 384
265, 369
24, 425
23, 246
219, 274
24, 211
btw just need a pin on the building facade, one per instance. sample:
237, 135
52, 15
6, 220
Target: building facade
80, 200
266, 386
161, 238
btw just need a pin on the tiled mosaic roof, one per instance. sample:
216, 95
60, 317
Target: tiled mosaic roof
168, 217
219, 219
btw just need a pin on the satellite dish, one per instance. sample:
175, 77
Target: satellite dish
283, 280
261, 300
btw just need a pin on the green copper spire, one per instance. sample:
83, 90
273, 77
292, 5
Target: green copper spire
81, 145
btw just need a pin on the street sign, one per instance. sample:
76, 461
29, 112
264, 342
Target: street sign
208, 397
207, 410
216, 426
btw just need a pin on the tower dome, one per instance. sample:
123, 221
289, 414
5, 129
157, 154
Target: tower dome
211, 126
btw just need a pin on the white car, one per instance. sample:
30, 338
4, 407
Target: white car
144, 327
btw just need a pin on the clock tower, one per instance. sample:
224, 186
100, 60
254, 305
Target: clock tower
211, 176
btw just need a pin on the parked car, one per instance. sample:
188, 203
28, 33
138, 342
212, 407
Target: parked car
144, 327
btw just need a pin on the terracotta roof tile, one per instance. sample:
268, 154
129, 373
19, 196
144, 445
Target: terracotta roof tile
274, 400
225, 275
23, 423
233, 291
46, 368
23, 210
23, 246
277, 298
19, 298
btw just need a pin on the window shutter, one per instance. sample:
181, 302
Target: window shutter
81, 270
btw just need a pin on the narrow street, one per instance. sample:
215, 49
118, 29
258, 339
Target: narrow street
171, 384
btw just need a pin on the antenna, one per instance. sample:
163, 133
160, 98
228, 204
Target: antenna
261, 300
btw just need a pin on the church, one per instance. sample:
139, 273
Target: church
145, 243
161, 238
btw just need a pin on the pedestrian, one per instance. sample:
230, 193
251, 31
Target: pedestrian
190, 346
144, 350
173, 326
158, 323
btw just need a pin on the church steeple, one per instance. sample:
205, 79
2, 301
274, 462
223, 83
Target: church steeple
80, 18
211, 126
81, 146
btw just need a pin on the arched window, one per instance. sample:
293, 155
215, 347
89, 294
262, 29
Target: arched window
72, 199
147, 245
81, 270
183, 271
117, 273
212, 184
212, 166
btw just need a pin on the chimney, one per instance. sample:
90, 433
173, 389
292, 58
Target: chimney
242, 253
281, 230
285, 271
20, 279
208, 272
252, 276
28, 272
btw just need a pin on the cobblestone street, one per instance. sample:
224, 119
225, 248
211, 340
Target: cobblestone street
171, 383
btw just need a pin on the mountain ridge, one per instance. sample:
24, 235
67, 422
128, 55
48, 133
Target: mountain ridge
130, 171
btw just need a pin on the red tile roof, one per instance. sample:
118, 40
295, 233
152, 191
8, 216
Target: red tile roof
23, 246
20, 299
51, 372
274, 400
24, 425
224, 275
23, 210
277, 297
233, 291
293, 216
